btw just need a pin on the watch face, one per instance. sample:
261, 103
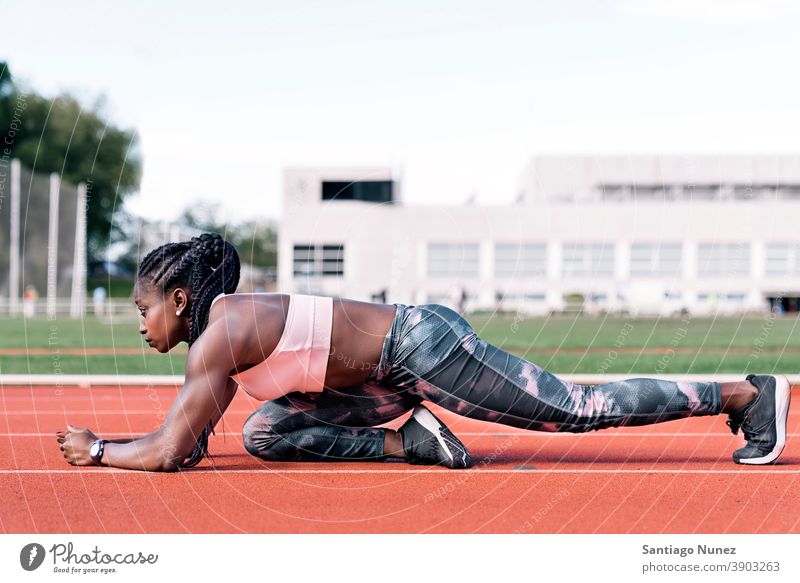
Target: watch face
95, 449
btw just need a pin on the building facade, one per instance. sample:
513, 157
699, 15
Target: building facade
657, 235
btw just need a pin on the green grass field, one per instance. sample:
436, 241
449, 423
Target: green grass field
562, 345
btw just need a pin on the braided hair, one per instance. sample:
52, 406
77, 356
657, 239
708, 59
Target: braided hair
207, 265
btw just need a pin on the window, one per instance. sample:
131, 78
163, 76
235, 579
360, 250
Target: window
702, 191
588, 260
744, 192
442, 299
655, 259
708, 297
534, 297
304, 260
790, 191
452, 260
447, 299
364, 190
315, 260
783, 259
520, 259
723, 259
333, 260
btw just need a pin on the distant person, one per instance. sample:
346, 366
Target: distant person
332, 371
29, 298
379, 297
99, 301
462, 300
457, 297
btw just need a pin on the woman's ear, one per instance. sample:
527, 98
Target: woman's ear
181, 301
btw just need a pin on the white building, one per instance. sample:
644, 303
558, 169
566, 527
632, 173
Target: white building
642, 234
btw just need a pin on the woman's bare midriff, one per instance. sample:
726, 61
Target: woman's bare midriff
359, 329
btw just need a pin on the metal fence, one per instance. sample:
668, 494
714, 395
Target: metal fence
113, 309
42, 244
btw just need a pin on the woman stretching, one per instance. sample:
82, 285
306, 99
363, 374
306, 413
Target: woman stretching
330, 370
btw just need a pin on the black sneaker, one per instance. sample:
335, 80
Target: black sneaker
763, 420
426, 440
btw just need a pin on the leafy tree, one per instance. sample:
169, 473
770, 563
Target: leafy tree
80, 144
204, 215
256, 241
6, 90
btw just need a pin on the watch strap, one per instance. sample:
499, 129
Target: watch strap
101, 446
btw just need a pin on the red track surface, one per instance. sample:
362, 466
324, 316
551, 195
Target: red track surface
674, 477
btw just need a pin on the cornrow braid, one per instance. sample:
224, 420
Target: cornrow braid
208, 265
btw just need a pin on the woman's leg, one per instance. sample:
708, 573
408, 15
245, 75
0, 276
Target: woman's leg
441, 359
334, 425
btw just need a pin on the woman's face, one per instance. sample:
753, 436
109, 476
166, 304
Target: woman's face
161, 327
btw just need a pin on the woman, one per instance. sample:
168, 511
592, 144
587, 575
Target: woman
330, 370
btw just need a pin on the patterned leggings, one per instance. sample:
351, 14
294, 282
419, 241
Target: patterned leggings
432, 353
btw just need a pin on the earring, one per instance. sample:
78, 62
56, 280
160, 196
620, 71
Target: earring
177, 312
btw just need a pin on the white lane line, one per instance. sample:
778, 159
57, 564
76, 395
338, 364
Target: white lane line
444, 472
144, 412
155, 411
108, 434
532, 434
68, 411
88, 412
83, 381
103, 411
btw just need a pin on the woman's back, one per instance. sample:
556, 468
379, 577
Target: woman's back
257, 322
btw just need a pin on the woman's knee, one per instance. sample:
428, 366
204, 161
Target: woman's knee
259, 435
455, 321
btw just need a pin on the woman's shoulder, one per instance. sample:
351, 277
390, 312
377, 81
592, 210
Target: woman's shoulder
247, 300
247, 322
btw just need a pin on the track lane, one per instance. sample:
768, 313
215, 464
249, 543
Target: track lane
637, 479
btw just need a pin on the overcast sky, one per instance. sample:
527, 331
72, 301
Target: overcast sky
458, 96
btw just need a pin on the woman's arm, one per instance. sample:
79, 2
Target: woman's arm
229, 395
206, 393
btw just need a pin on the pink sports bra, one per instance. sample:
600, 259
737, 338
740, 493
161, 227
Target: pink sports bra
300, 360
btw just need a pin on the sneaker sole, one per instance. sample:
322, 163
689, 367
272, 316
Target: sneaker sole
429, 421
783, 396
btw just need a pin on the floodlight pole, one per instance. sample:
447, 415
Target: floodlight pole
13, 247
78, 297
52, 247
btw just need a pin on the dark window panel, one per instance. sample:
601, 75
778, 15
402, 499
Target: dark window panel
363, 190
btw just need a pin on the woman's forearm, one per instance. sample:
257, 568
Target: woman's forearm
147, 453
159, 450
222, 405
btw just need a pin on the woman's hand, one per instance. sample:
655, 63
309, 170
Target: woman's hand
75, 443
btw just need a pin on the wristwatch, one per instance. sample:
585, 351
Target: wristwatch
96, 450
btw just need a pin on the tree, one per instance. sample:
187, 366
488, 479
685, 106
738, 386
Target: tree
255, 240
6, 87
257, 243
81, 145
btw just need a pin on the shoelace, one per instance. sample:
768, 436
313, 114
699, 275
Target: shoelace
735, 421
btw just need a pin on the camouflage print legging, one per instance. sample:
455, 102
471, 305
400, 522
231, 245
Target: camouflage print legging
432, 353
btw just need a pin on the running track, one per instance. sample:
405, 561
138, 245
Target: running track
674, 477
